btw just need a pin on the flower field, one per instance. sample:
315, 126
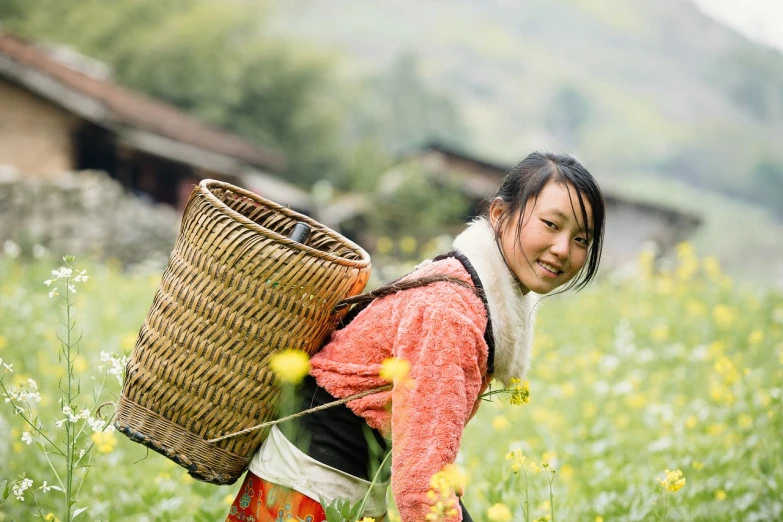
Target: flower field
633, 380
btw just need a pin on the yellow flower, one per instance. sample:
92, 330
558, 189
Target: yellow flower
128, 341
384, 245
549, 457
534, 468
500, 423
367, 519
104, 441
450, 478
568, 389
696, 308
517, 459
720, 495
80, 365
567, 472
673, 482
646, 263
394, 368
499, 513
687, 262
685, 250
408, 244
724, 315
520, 392
665, 285
727, 370
599, 519
660, 332
290, 365
755, 337
697, 465
49, 517
712, 267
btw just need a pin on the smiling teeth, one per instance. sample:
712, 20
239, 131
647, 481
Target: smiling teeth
549, 267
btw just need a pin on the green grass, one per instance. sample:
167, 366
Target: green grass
630, 377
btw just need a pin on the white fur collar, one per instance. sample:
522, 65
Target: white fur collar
511, 312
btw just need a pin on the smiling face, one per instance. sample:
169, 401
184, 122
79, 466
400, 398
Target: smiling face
552, 244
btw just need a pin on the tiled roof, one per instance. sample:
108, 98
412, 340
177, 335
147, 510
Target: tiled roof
127, 108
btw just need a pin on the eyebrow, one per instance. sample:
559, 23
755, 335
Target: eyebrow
563, 216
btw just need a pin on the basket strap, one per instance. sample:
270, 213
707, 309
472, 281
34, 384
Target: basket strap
350, 398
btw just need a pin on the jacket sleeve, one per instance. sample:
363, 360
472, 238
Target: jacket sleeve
443, 342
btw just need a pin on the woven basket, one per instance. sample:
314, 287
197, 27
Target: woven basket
235, 292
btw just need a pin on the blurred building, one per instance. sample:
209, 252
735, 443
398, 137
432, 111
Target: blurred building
630, 225
60, 112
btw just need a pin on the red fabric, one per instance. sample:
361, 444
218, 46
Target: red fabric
262, 501
439, 330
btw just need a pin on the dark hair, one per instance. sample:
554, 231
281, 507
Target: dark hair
527, 179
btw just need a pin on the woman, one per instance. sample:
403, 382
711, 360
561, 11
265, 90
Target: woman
542, 231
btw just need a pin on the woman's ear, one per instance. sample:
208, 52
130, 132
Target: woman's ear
496, 209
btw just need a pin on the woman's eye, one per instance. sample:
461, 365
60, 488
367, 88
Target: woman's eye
582, 241
549, 224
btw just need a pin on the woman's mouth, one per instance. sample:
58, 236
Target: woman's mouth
550, 269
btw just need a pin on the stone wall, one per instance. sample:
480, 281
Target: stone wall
85, 213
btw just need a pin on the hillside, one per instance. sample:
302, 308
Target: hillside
637, 87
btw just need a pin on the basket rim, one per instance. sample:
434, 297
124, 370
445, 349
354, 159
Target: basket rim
206, 185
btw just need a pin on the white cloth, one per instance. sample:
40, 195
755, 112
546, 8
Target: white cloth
512, 313
279, 461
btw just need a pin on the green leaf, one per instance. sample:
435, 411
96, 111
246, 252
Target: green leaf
79, 511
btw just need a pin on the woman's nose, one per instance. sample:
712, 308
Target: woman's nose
561, 245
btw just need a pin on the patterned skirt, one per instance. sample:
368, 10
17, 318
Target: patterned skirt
262, 501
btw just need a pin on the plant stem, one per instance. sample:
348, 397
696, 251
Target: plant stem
26, 419
374, 480
68, 424
665, 505
551, 497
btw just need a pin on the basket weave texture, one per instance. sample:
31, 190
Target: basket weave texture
235, 292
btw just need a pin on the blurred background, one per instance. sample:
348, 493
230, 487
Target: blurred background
391, 121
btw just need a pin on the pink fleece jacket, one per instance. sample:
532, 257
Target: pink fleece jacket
439, 330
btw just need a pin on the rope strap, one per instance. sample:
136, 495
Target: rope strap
350, 398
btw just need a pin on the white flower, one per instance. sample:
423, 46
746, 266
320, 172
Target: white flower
96, 424
11, 249
60, 423
72, 288
69, 415
81, 454
63, 273
45, 488
39, 251
33, 384
53, 293
27, 438
48, 282
81, 277
20, 487
8, 367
